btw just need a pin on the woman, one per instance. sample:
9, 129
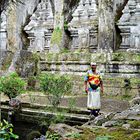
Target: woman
95, 87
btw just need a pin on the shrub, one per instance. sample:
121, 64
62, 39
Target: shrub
12, 85
52, 136
55, 86
6, 131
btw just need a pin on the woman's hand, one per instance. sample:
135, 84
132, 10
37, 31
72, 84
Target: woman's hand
102, 91
86, 89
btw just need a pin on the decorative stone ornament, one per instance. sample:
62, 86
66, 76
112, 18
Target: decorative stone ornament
40, 27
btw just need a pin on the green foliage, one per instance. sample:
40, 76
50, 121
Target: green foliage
36, 57
117, 133
104, 138
65, 25
136, 136
56, 36
52, 136
12, 85
135, 124
55, 86
59, 118
118, 57
74, 135
6, 131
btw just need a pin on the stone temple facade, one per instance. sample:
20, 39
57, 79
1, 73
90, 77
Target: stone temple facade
40, 27
82, 38
129, 25
84, 26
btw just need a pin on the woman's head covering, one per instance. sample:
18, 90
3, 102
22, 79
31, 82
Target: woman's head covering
93, 63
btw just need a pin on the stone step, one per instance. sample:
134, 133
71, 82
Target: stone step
35, 106
36, 115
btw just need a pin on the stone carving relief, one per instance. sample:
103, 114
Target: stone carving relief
129, 25
40, 27
3, 32
83, 26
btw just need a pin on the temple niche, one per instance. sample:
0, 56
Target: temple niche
84, 26
40, 27
3, 32
129, 25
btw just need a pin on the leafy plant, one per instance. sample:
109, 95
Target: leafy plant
104, 138
52, 136
6, 131
12, 85
74, 135
65, 25
55, 86
118, 57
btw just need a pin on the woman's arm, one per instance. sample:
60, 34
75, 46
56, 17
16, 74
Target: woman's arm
101, 86
86, 86
86, 82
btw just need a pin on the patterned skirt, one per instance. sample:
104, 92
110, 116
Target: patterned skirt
93, 100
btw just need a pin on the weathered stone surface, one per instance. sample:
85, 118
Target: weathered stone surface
40, 27
17, 17
109, 124
135, 101
63, 129
109, 115
100, 120
127, 126
25, 64
5, 59
3, 31
83, 26
130, 114
129, 26
88, 29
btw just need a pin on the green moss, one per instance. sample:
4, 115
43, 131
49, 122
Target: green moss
67, 56
136, 136
98, 57
87, 134
35, 57
6, 62
113, 134
56, 36
65, 25
126, 57
118, 57
135, 124
65, 50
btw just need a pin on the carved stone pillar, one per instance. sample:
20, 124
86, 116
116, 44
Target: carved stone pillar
3, 32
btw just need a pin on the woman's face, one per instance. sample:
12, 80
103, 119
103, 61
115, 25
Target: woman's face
93, 67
